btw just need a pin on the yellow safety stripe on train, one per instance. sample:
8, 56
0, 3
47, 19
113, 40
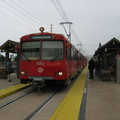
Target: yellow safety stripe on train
12, 89
70, 106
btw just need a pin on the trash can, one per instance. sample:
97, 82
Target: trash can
106, 75
3, 74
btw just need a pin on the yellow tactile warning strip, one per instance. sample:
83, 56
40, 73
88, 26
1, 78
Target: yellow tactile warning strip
12, 89
70, 106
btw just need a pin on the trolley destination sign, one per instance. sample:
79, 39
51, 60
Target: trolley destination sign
37, 37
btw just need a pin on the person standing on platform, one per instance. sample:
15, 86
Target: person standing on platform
91, 67
9, 69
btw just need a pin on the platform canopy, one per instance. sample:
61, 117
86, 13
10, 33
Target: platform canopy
112, 46
108, 51
9, 46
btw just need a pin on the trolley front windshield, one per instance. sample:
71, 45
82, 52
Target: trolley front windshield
50, 50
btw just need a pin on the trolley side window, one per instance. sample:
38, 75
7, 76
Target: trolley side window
52, 50
67, 53
74, 54
30, 50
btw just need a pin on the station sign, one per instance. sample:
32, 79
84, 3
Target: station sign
37, 37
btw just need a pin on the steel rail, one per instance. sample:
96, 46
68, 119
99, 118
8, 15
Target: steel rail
4, 105
41, 105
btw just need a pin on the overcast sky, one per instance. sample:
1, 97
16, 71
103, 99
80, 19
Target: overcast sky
94, 21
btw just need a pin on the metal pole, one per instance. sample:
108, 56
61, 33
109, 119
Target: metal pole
51, 28
69, 35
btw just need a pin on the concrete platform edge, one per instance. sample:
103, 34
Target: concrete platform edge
12, 89
70, 106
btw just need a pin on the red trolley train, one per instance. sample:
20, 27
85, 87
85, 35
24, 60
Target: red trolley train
48, 57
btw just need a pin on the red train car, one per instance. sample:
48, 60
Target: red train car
48, 57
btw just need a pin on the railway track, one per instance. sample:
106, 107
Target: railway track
12, 101
30, 102
41, 105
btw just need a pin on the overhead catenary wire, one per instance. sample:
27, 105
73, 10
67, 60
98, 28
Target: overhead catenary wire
58, 9
63, 14
63, 11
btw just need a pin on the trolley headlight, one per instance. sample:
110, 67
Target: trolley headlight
23, 73
58, 73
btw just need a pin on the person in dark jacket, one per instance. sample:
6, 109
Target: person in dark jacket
9, 68
91, 67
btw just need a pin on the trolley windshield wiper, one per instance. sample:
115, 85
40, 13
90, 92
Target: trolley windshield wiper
26, 57
55, 58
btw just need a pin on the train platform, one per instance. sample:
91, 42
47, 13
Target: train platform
103, 100
8, 88
90, 99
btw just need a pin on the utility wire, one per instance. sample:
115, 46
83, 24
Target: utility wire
7, 16
38, 15
32, 21
20, 12
43, 20
26, 12
56, 4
